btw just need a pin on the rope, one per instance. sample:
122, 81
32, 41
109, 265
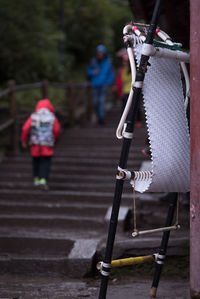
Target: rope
155, 230
134, 207
177, 210
137, 233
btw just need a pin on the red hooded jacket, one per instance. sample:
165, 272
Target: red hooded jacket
41, 150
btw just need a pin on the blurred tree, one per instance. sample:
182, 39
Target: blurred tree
174, 17
53, 40
29, 42
91, 22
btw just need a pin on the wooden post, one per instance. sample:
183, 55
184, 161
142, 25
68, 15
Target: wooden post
89, 102
45, 89
13, 137
195, 150
11, 84
70, 104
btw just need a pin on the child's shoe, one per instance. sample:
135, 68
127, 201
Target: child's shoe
43, 184
36, 181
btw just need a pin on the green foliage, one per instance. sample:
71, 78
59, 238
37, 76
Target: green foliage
56, 39
92, 22
27, 100
29, 42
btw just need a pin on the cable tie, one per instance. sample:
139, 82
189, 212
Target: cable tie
105, 270
127, 135
138, 84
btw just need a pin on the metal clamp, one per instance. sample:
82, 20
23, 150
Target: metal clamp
159, 258
104, 268
123, 174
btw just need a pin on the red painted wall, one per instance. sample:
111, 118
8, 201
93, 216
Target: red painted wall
195, 149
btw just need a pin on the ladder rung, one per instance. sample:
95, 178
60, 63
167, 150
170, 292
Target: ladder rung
156, 230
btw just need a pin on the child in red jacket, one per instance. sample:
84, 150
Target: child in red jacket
41, 130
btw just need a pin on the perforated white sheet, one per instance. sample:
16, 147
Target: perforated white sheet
167, 127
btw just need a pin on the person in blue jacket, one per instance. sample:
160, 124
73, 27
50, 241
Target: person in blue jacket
101, 75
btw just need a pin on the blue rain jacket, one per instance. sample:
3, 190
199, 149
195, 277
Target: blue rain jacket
105, 75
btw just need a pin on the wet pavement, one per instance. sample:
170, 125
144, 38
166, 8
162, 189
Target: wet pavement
23, 287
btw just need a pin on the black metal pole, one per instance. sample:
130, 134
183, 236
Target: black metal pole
127, 138
164, 244
113, 222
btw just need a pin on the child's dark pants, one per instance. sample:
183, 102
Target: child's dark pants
41, 166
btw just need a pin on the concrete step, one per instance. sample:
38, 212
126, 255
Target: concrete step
56, 177
62, 196
81, 186
96, 161
49, 208
53, 220
38, 246
95, 133
97, 149
75, 196
106, 168
76, 260
75, 155
47, 252
60, 230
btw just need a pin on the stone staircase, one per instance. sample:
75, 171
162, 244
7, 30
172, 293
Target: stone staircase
59, 231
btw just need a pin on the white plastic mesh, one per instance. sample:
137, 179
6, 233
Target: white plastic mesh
167, 128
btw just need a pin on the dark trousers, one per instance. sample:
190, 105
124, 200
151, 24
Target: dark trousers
41, 166
99, 94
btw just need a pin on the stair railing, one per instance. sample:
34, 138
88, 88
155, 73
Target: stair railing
78, 106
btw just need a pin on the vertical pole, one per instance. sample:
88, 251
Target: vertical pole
195, 150
13, 140
113, 221
89, 102
127, 139
45, 89
164, 244
70, 103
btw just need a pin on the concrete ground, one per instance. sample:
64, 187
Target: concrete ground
60, 231
23, 287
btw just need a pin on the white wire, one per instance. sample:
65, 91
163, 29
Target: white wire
166, 38
121, 126
187, 83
